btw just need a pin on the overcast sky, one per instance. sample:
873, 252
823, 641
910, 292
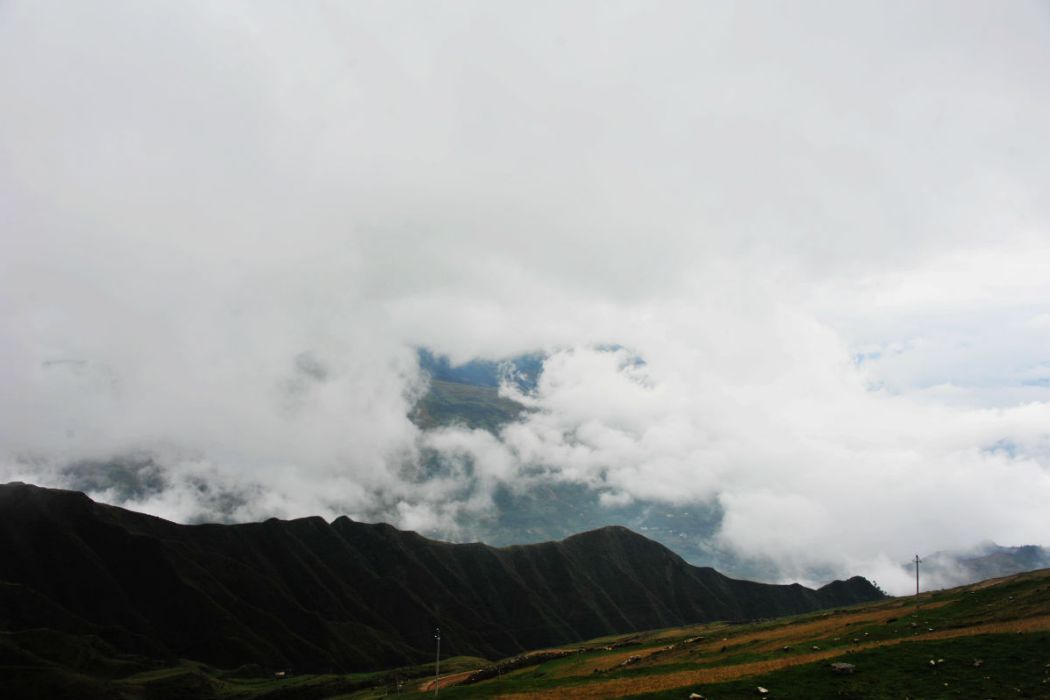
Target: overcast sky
824, 226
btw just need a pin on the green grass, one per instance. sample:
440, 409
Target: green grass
1013, 666
896, 640
1005, 624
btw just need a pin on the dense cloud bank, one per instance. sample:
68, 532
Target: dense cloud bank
789, 261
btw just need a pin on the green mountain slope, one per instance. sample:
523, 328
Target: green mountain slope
343, 596
454, 403
988, 640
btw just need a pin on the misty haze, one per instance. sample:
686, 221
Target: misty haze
725, 289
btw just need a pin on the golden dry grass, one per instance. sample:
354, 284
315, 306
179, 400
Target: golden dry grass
643, 684
445, 681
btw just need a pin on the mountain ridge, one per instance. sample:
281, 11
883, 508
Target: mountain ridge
344, 595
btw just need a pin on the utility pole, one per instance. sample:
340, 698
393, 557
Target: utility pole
917, 562
437, 665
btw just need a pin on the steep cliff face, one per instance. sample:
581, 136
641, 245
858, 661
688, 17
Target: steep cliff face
345, 596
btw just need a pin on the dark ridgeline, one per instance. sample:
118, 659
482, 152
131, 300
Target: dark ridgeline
345, 596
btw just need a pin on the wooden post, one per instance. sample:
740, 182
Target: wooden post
917, 562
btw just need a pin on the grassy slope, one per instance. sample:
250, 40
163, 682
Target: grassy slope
1005, 624
475, 406
100, 591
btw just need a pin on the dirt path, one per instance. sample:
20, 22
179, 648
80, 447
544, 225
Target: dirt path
446, 681
645, 684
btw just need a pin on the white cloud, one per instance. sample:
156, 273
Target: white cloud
224, 227
810, 472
